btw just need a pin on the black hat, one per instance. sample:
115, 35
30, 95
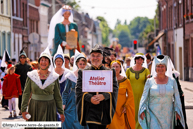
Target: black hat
97, 49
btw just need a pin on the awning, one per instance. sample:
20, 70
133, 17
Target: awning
156, 38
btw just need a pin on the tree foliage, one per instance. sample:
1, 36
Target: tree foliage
105, 30
145, 37
127, 33
73, 4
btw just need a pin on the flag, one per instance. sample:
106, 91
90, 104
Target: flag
6, 58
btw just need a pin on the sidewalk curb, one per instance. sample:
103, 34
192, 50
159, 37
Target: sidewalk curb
188, 107
188, 89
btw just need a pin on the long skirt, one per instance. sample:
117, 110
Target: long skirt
42, 110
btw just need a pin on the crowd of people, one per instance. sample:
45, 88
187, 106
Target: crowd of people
146, 92
50, 89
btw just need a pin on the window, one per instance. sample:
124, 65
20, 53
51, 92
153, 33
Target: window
178, 14
175, 16
186, 57
191, 9
9, 42
187, 10
7, 6
2, 7
168, 17
171, 17
181, 15
17, 8
23, 12
37, 26
3, 42
34, 30
192, 49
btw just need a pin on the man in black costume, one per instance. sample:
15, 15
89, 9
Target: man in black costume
22, 68
96, 110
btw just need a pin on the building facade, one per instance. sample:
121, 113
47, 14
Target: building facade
5, 26
34, 46
176, 20
19, 35
43, 23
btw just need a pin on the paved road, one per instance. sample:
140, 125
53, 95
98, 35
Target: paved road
187, 87
5, 113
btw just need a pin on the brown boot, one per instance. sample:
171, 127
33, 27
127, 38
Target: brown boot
20, 113
14, 114
10, 116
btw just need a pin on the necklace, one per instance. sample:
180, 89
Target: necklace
43, 75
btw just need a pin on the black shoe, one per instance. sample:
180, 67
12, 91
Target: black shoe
6, 107
20, 113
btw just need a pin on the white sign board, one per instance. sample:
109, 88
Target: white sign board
97, 81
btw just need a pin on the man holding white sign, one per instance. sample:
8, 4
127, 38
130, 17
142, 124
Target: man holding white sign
96, 93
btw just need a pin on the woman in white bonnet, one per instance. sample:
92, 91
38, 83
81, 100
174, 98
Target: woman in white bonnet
68, 96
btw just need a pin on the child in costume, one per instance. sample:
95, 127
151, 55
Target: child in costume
11, 89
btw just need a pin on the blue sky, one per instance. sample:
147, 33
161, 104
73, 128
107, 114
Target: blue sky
118, 9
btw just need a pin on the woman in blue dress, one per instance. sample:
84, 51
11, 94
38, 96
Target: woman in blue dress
61, 70
68, 98
160, 101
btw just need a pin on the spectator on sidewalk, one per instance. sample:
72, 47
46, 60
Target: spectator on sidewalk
67, 61
127, 61
13, 61
21, 69
4, 102
113, 56
149, 63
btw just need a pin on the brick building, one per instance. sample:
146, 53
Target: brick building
19, 26
176, 21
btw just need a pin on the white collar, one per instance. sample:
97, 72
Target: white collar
66, 71
33, 75
71, 76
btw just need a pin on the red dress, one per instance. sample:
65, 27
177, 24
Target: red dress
11, 86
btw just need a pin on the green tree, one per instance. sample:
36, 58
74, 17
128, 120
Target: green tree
125, 23
144, 36
137, 25
73, 4
117, 23
127, 33
124, 39
105, 30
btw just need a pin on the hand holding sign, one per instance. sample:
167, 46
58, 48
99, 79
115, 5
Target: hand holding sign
99, 97
94, 100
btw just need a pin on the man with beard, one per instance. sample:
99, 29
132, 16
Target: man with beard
96, 110
22, 68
